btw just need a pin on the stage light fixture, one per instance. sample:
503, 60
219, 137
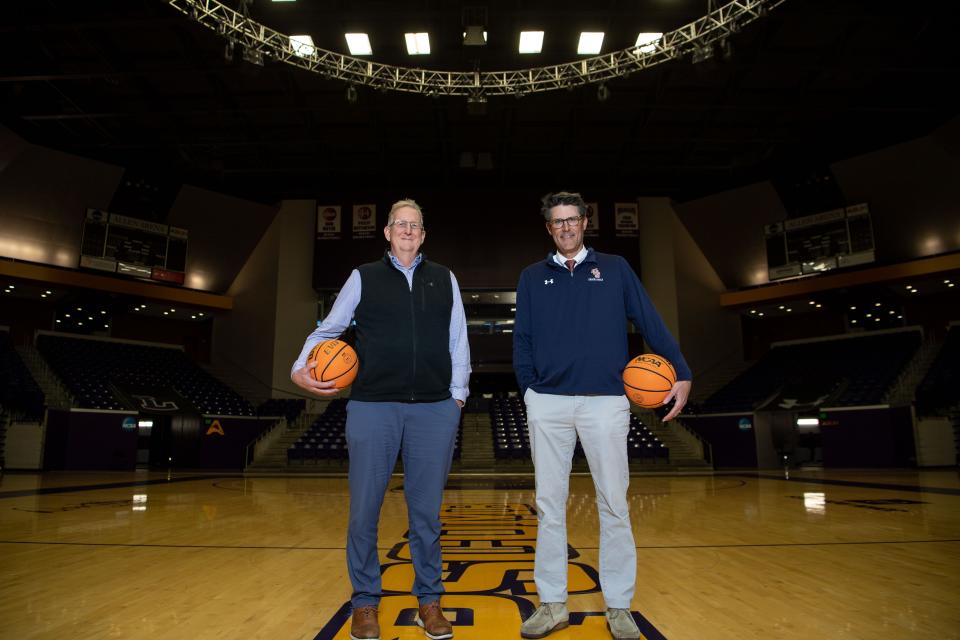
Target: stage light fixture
418, 44
531, 41
647, 42
358, 44
302, 45
591, 42
474, 36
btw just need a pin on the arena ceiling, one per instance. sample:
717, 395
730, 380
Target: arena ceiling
137, 84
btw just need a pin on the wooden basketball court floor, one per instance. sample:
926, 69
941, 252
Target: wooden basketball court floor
838, 554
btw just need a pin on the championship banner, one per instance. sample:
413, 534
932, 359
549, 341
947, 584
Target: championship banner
593, 220
328, 222
627, 219
364, 221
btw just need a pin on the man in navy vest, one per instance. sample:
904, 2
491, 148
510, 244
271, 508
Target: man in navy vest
569, 351
411, 342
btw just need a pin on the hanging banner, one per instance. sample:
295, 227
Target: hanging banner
328, 222
364, 221
593, 220
627, 219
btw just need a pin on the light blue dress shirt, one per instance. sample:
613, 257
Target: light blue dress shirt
346, 303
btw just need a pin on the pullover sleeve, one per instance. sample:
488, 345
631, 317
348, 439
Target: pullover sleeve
645, 317
523, 338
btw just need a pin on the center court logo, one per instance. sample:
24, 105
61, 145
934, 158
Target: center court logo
488, 552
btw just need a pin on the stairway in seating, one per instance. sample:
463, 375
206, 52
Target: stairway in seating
54, 392
275, 457
683, 454
476, 446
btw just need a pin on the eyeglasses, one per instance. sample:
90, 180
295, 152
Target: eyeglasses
403, 224
557, 223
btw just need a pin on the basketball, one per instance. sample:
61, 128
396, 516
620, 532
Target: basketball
336, 362
647, 379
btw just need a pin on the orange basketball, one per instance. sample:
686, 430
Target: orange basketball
337, 362
647, 379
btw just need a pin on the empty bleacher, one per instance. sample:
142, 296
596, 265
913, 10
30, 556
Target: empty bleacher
843, 371
939, 391
511, 441
325, 439
90, 369
289, 408
20, 396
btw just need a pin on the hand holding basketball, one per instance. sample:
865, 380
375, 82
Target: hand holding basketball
648, 380
336, 362
331, 366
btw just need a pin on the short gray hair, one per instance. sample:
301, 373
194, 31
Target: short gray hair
400, 204
559, 198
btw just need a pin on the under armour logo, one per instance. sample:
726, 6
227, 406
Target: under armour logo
550, 281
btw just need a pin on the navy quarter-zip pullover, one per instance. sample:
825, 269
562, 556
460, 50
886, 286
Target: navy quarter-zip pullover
570, 334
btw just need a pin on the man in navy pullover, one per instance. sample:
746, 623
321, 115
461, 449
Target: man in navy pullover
569, 351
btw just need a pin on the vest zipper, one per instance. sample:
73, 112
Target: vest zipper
413, 323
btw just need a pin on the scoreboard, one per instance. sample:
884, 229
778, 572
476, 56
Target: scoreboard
811, 244
134, 247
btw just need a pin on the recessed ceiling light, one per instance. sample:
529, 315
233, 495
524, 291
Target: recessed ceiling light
947, 281
789, 310
950, 285
200, 314
876, 319
760, 314
193, 317
853, 308
812, 302
647, 42
913, 290
853, 322
753, 310
102, 312
591, 42
173, 310
782, 307
79, 309
877, 304
531, 41
166, 313
819, 305
358, 44
66, 315
80, 323
43, 295
48, 292
909, 286
869, 315
890, 312
418, 44
58, 321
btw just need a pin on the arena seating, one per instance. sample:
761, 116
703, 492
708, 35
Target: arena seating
89, 368
939, 391
851, 371
326, 439
289, 408
19, 394
511, 441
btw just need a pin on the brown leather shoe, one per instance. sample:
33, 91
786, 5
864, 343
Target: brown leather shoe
435, 626
364, 625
